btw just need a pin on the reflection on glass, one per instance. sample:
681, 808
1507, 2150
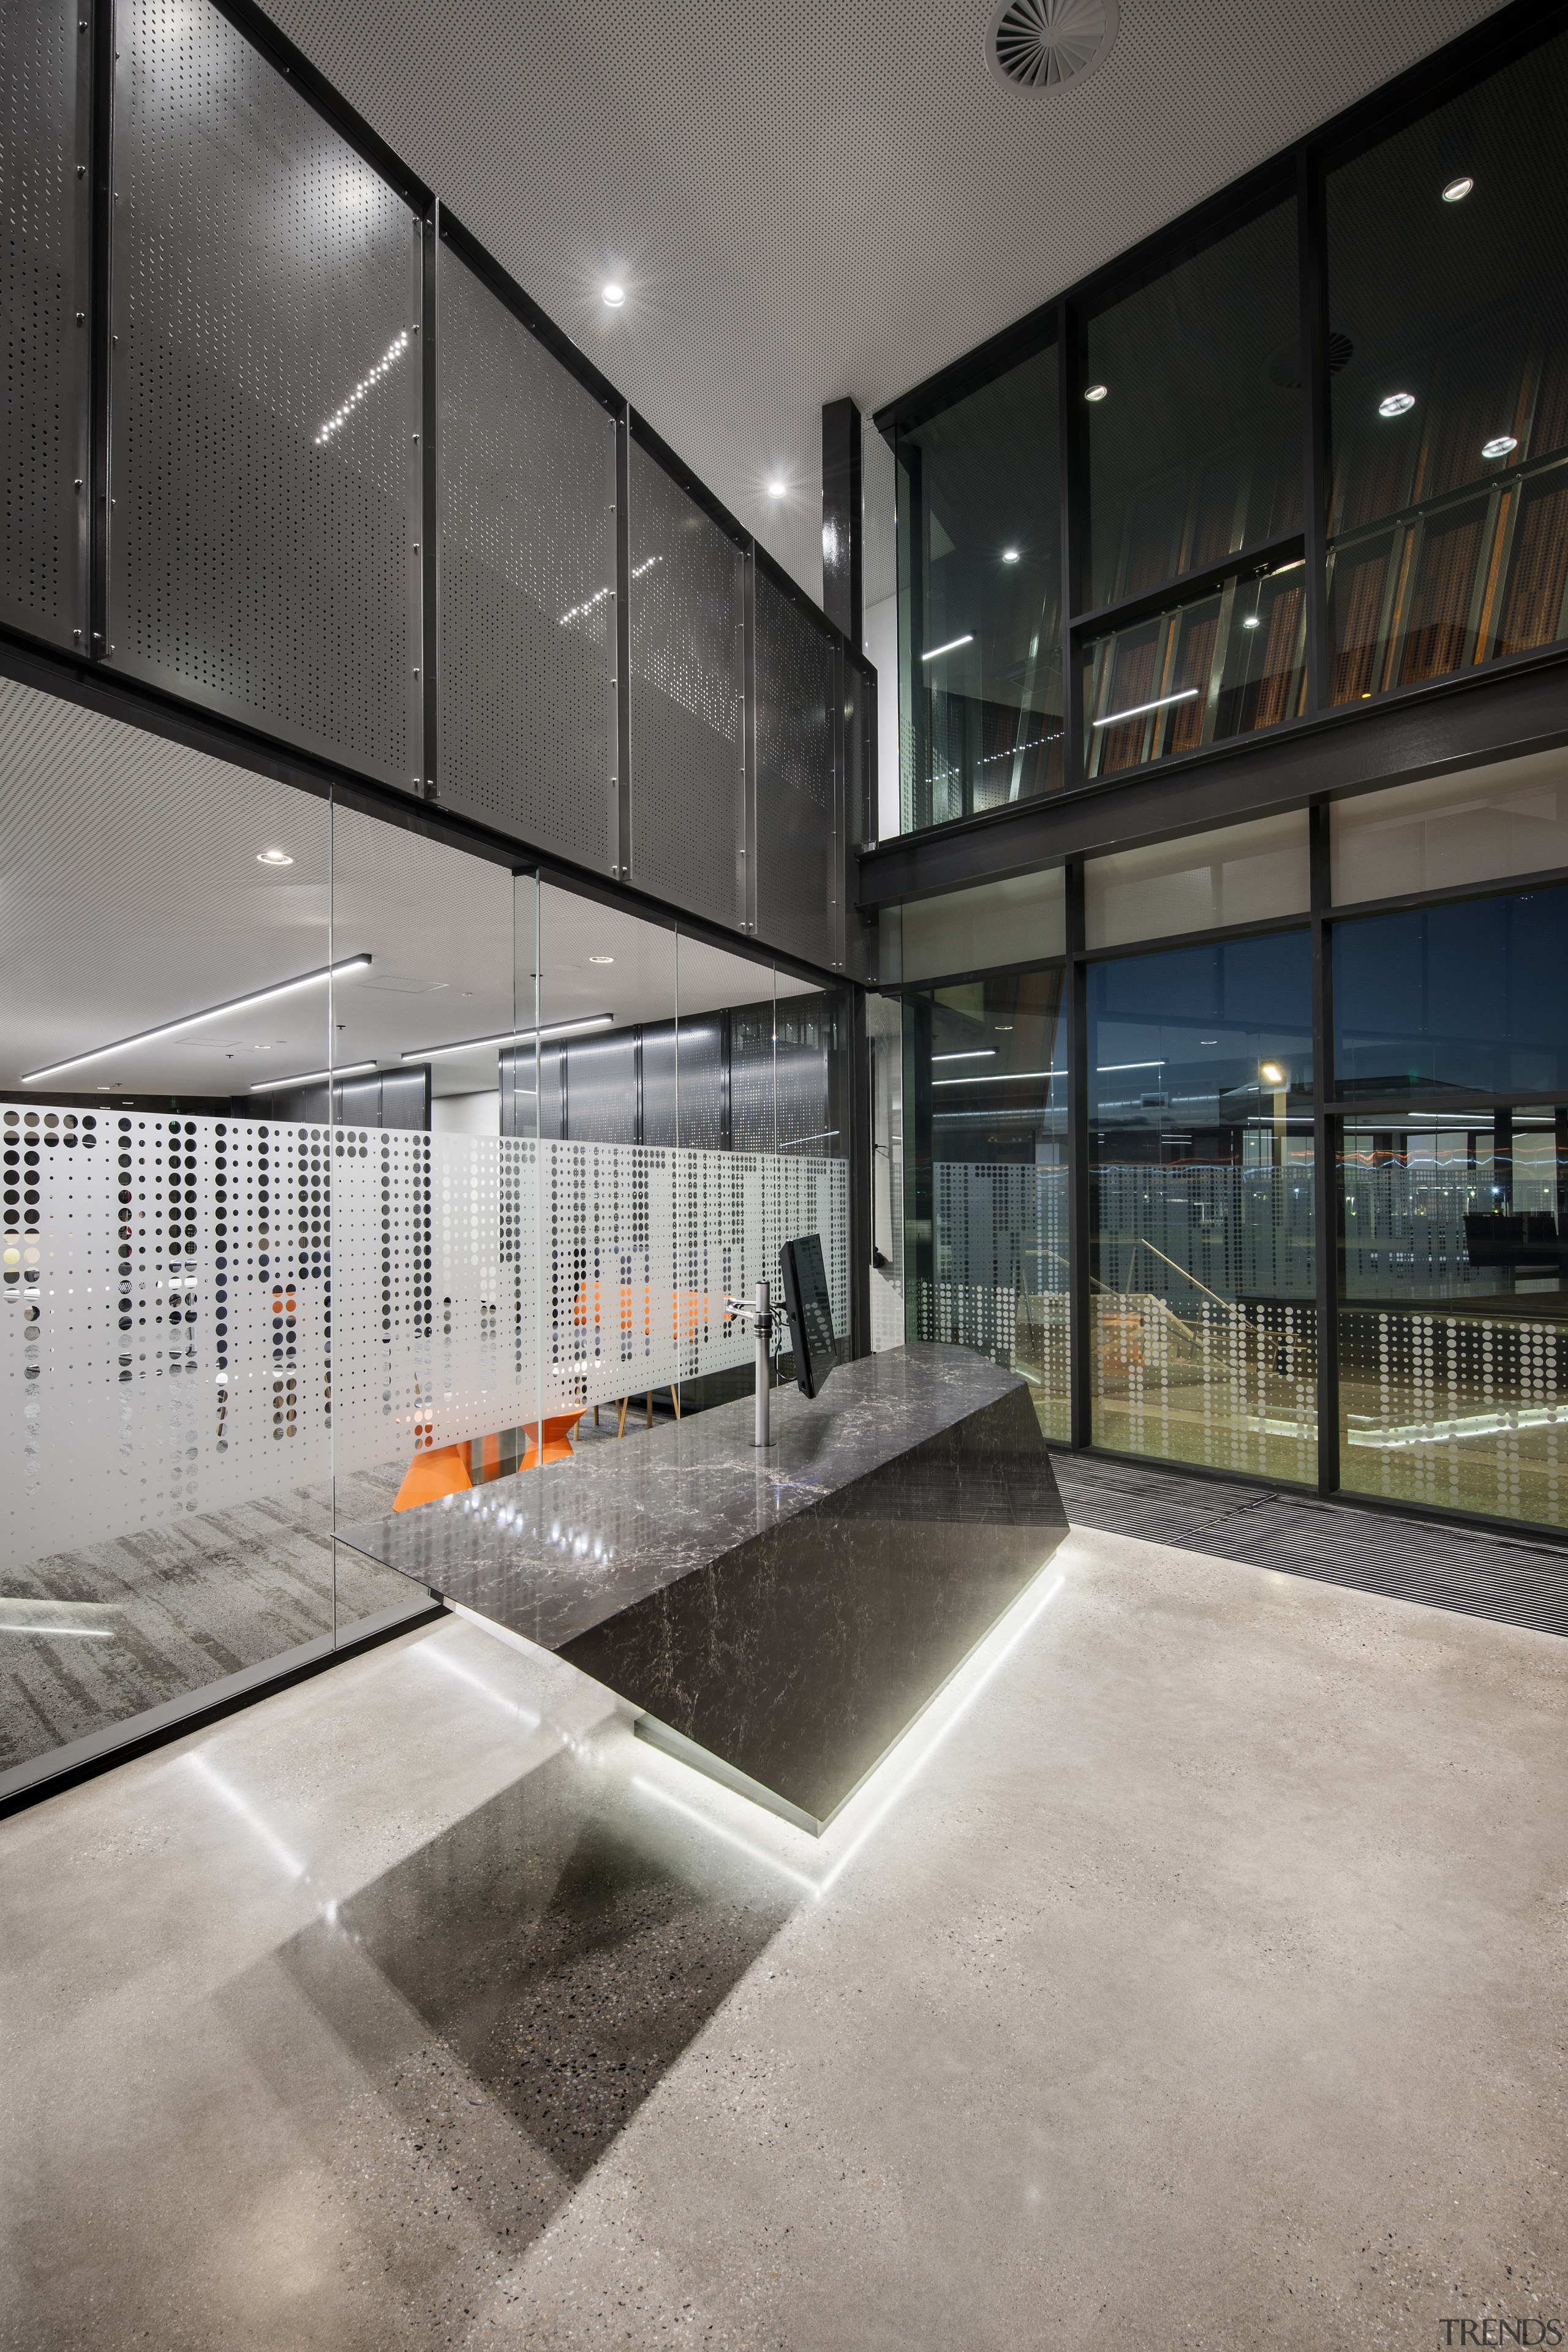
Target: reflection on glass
1195, 435
1466, 996
1201, 1247
980, 598
985, 1070
1454, 1307
1449, 506
1226, 663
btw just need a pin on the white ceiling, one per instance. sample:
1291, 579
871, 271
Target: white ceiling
825, 200
131, 895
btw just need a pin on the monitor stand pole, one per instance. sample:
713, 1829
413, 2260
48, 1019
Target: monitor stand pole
761, 1314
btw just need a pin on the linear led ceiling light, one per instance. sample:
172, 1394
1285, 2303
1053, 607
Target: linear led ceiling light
213, 1012
366, 385
513, 1037
999, 1079
950, 647
974, 1054
1139, 709
311, 1078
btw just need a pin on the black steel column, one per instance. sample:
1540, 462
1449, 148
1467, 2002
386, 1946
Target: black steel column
841, 535
1075, 1025
862, 1170
622, 778
1072, 358
1315, 418
911, 559
429, 549
1328, 1191
749, 742
96, 323
920, 1202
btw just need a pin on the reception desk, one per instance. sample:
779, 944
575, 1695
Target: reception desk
777, 1618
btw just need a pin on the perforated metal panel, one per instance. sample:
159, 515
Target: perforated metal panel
43, 280
688, 620
528, 579
265, 400
798, 860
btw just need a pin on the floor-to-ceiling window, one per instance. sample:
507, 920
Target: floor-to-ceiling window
1449, 490
1451, 1082
1201, 1266
980, 598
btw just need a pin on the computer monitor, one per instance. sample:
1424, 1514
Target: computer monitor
810, 1310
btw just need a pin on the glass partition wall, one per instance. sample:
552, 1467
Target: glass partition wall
353, 1171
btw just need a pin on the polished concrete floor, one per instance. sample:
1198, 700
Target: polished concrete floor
1194, 1977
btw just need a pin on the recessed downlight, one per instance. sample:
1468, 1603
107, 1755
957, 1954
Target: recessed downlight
1009, 555
1458, 190
1252, 621
601, 959
615, 295
1097, 392
273, 858
1499, 445
1396, 404
777, 485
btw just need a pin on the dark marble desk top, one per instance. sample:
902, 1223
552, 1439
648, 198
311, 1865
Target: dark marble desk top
553, 1552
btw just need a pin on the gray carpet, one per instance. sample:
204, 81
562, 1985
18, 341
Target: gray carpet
1502, 1576
90, 1637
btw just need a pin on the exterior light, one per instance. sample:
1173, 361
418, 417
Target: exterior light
613, 296
1457, 191
950, 647
1398, 403
1499, 445
1097, 392
1274, 1073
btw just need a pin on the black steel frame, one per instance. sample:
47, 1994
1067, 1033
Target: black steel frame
1247, 768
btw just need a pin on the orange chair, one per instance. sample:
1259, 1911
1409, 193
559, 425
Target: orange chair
443, 1471
558, 1431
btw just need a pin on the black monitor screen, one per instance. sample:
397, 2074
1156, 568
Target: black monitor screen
810, 1310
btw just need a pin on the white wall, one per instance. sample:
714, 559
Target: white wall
476, 1114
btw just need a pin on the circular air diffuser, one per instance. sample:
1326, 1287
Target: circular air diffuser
1045, 43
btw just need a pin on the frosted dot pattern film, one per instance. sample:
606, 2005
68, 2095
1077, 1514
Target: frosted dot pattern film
265, 400
43, 275
198, 1311
528, 583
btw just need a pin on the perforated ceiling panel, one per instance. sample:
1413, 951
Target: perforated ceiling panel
688, 620
42, 267
798, 859
528, 581
842, 206
265, 400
